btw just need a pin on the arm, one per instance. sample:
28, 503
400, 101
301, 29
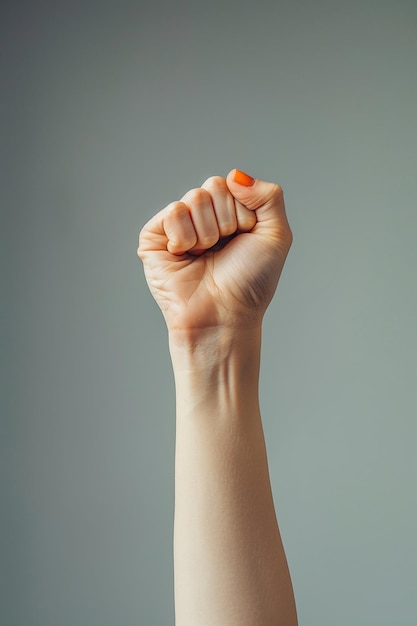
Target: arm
230, 566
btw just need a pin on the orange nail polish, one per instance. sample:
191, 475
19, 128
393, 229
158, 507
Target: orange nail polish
243, 179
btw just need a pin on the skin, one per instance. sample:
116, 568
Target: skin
212, 262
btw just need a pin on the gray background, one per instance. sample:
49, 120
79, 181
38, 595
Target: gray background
110, 110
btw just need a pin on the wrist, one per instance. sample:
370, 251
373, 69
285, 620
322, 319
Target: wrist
209, 348
216, 370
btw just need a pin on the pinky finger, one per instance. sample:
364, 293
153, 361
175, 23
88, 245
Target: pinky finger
179, 229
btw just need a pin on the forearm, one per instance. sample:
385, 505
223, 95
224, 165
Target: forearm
230, 567
212, 261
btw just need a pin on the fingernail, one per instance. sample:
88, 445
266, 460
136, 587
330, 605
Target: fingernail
243, 179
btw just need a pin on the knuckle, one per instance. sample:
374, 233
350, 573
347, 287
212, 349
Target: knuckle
176, 210
197, 196
215, 183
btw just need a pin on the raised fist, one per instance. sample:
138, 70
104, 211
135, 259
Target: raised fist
213, 258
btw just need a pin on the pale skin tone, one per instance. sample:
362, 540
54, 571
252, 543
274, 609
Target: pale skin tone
212, 261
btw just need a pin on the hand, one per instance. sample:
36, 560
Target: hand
214, 258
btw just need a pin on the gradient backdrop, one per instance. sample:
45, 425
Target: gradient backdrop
109, 111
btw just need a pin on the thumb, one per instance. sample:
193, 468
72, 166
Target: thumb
266, 199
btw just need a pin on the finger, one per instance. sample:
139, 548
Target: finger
267, 199
223, 204
246, 219
152, 237
171, 229
203, 217
179, 228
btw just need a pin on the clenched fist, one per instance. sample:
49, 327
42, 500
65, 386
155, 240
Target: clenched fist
213, 258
